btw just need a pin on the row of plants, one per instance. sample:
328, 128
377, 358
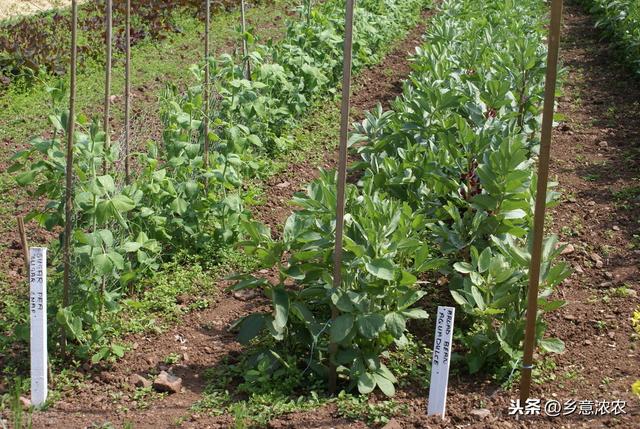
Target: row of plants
620, 19
445, 187
41, 42
124, 232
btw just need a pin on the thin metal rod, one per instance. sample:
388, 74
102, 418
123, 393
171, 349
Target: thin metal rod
127, 97
207, 26
342, 177
245, 47
541, 197
107, 80
23, 242
68, 204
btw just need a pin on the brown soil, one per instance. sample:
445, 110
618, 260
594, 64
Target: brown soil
601, 360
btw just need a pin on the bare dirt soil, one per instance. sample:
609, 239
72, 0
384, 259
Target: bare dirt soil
596, 155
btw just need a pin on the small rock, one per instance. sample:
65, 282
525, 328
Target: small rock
208, 350
392, 424
595, 257
568, 249
283, 185
579, 269
591, 203
245, 294
151, 361
587, 342
139, 381
569, 317
632, 292
26, 402
599, 264
264, 271
166, 382
612, 335
616, 228
608, 275
480, 413
606, 285
185, 357
135, 346
603, 144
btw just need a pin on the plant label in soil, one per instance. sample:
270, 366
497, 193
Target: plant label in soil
38, 311
440, 361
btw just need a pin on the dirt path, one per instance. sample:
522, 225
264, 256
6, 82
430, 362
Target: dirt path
107, 396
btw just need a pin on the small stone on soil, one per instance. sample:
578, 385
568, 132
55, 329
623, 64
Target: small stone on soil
26, 402
616, 228
579, 269
608, 275
603, 144
245, 294
595, 257
139, 381
481, 413
283, 185
568, 249
166, 382
393, 424
599, 264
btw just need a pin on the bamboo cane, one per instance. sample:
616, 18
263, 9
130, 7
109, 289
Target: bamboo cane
342, 177
107, 80
127, 99
68, 205
541, 198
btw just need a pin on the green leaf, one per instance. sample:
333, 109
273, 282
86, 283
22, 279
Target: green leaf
396, 323
250, 327
552, 345
102, 263
384, 384
477, 297
381, 268
370, 325
341, 327
281, 304
463, 267
366, 383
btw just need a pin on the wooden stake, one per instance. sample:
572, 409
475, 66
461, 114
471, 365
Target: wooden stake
541, 197
342, 178
68, 205
245, 47
107, 80
207, 26
127, 98
23, 241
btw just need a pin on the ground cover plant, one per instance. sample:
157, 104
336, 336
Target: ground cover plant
29, 45
446, 187
620, 20
124, 232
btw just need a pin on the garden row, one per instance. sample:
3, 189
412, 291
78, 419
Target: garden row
620, 20
42, 42
446, 187
123, 232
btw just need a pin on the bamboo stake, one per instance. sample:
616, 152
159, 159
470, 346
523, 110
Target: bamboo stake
68, 208
127, 98
23, 241
342, 178
206, 84
245, 47
107, 80
541, 197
